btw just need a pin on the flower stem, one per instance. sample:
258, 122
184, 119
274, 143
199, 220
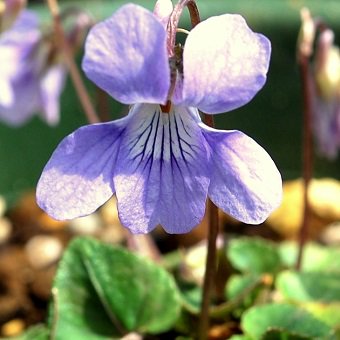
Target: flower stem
174, 19
74, 72
210, 267
210, 271
307, 160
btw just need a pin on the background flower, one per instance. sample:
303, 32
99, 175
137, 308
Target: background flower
30, 83
325, 83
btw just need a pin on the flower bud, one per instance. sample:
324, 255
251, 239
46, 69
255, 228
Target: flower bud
327, 66
306, 34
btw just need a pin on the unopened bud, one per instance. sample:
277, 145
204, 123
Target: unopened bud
306, 34
327, 66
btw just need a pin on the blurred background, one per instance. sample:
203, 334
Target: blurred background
31, 243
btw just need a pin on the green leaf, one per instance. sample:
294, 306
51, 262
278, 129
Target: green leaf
240, 337
241, 291
237, 284
103, 289
278, 334
191, 297
260, 319
254, 255
309, 286
38, 332
315, 257
328, 313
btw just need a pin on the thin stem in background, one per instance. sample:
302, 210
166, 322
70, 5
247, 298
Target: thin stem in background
73, 69
103, 105
307, 160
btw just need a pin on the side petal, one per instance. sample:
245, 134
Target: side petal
51, 87
126, 56
161, 175
78, 177
225, 72
245, 182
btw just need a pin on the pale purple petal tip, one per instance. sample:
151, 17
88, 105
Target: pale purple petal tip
51, 86
163, 10
225, 72
78, 177
126, 56
245, 182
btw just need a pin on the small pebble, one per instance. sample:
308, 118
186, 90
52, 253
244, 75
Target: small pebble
5, 230
3, 206
331, 235
13, 327
132, 336
43, 250
87, 225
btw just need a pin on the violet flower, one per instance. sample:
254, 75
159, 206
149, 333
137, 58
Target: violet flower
30, 81
325, 83
161, 161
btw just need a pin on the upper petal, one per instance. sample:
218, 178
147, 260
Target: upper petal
126, 56
161, 175
225, 64
245, 182
78, 177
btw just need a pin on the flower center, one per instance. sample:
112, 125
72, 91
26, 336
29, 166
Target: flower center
167, 107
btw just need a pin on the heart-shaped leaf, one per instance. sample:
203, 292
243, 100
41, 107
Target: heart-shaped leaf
309, 286
254, 255
101, 290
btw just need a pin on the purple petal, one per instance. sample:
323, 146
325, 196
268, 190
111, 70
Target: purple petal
245, 182
26, 20
51, 87
6, 93
78, 177
326, 126
126, 56
161, 175
25, 87
19, 71
225, 72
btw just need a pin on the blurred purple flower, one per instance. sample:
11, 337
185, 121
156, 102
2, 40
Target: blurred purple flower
29, 81
161, 161
325, 82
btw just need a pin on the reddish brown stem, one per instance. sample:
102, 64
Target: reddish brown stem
174, 19
210, 271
